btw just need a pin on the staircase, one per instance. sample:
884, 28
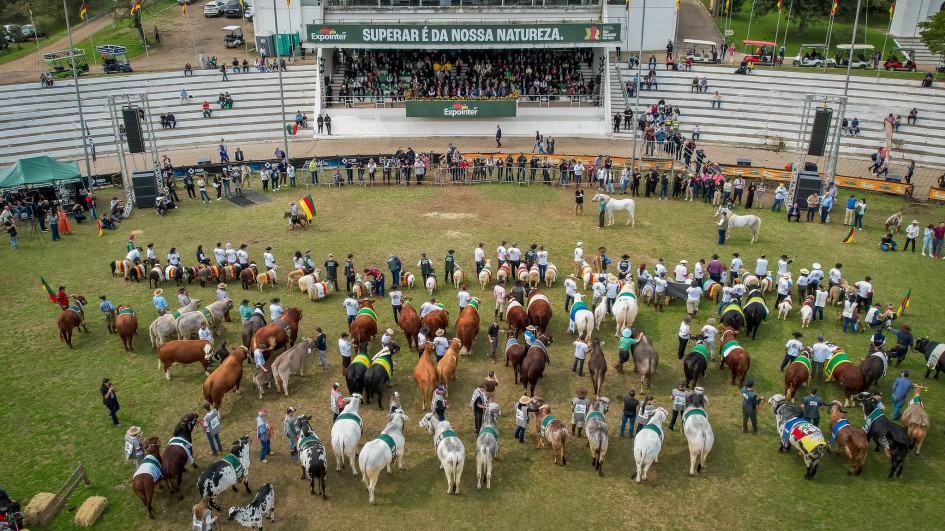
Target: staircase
923, 57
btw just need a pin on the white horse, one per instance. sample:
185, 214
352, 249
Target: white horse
647, 444
381, 452
625, 308
698, 432
583, 320
617, 204
751, 221
346, 433
449, 449
487, 446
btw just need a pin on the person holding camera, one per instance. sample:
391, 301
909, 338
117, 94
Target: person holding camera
110, 399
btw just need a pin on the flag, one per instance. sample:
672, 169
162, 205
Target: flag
833, 8
849, 238
135, 7
99, 227
677, 5
308, 207
183, 8
904, 304
83, 11
727, 2
287, 2
29, 7
627, 6
892, 7
48, 289
780, 4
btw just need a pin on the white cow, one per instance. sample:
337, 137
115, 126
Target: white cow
378, 454
346, 433
647, 444
431, 284
551, 274
600, 313
487, 446
698, 431
262, 506
449, 449
625, 307
582, 319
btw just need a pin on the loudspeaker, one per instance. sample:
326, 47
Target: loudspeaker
132, 121
818, 135
893, 178
810, 166
145, 187
743, 162
202, 162
807, 183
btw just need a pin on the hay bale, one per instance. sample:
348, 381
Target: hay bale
89, 512
37, 505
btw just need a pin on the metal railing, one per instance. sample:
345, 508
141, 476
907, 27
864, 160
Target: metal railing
394, 102
345, 4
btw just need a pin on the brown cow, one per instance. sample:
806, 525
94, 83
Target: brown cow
436, 320
126, 324
409, 322
184, 351
539, 310
533, 366
515, 316
226, 377
597, 365
290, 362
514, 353
467, 326
446, 366
364, 327
736, 357
278, 333
248, 275
797, 374
549, 428
73, 317
849, 438
425, 376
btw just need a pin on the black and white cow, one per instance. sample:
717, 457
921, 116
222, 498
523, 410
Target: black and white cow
263, 505
311, 455
227, 472
888, 435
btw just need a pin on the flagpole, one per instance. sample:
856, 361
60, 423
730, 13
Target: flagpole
787, 24
78, 96
885, 40
242, 25
190, 29
636, 109
751, 17
778, 27
35, 32
285, 134
91, 34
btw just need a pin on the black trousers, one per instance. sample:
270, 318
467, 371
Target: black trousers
578, 366
752, 415
682, 347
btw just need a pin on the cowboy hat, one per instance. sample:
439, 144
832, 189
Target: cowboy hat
786, 275
915, 221
684, 261
572, 276
440, 332
580, 244
524, 400
134, 431
390, 331
626, 332
531, 328
711, 321
804, 271
816, 265
221, 285
158, 292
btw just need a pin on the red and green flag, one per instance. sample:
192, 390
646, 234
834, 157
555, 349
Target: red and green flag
29, 7
308, 207
904, 304
135, 7
892, 7
833, 8
849, 238
99, 227
48, 289
83, 11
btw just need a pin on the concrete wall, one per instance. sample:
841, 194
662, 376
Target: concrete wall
909, 13
660, 23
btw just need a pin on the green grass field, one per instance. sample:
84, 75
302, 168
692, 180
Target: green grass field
55, 418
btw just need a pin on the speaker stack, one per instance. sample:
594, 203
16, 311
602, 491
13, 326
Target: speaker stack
132, 120
145, 187
808, 182
818, 135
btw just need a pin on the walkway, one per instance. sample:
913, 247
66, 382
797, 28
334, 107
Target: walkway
695, 23
28, 67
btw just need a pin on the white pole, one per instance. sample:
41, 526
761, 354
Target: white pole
285, 134
787, 24
832, 168
636, 109
751, 17
78, 97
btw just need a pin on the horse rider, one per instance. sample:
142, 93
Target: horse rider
109, 310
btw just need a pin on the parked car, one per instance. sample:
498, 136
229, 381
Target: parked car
896, 64
248, 12
214, 8
233, 9
30, 31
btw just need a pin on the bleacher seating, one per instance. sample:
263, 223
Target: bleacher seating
36, 120
763, 108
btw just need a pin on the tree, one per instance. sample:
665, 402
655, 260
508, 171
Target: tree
933, 33
803, 12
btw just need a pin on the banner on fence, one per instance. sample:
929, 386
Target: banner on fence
451, 109
426, 35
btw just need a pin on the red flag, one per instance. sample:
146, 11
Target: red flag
135, 7
833, 9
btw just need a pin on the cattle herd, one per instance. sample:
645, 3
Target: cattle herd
529, 312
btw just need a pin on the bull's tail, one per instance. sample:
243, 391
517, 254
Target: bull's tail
454, 461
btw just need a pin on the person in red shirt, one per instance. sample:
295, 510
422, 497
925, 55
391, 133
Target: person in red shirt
62, 298
938, 234
378, 280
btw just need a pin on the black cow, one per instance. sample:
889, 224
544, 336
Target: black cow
886, 434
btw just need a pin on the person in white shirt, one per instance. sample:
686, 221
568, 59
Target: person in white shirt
684, 334
738, 292
422, 339
542, 260
183, 297
219, 254
230, 254
515, 255
792, 349
835, 275
150, 255
242, 256
864, 291
708, 333
580, 353
761, 267
268, 259
428, 307
290, 172
275, 309
912, 232
613, 288
660, 292
133, 255
173, 258
816, 275
820, 301
385, 339
849, 313
499, 293
599, 289
205, 333
784, 288
693, 296
578, 258
463, 297
726, 298
783, 263
440, 343
660, 269
502, 253
681, 271
819, 354
699, 271
733, 271
480, 256
396, 302
570, 289
344, 347
350, 305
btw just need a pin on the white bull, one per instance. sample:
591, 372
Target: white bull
346, 433
378, 454
449, 449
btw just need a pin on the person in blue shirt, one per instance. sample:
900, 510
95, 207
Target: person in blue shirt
851, 210
160, 303
826, 203
530, 335
900, 389
109, 310
904, 341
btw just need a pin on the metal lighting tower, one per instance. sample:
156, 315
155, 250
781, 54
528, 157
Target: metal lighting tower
285, 134
835, 151
78, 99
636, 108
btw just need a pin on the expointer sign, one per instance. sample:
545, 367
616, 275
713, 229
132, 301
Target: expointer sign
466, 34
461, 108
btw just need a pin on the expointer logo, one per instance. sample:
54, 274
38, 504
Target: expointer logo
460, 109
592, 33
328, 34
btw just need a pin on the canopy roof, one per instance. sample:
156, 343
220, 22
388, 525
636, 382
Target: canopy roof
38, 172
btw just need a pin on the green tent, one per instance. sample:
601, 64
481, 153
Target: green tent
39, 172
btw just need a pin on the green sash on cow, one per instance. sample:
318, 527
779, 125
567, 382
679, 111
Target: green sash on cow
654, 427
309, 438
759, 300
445, 435
475, 304
803, 360
175, 314
350, 416
694, 411
440, 306
234, 462
390, 444
367, 311
876, 413
732, 307
208, 316
384, 361
126, 311
545, 421
626, 295
729, 346
701, 349
916, 400
595, 415
838, 359
361, 359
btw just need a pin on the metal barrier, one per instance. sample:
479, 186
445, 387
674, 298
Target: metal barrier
368, 101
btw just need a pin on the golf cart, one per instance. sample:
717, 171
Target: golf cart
814, 55
701, 51
906, 64
763, 53
61, 62
862, 56
234, 37
114, 58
